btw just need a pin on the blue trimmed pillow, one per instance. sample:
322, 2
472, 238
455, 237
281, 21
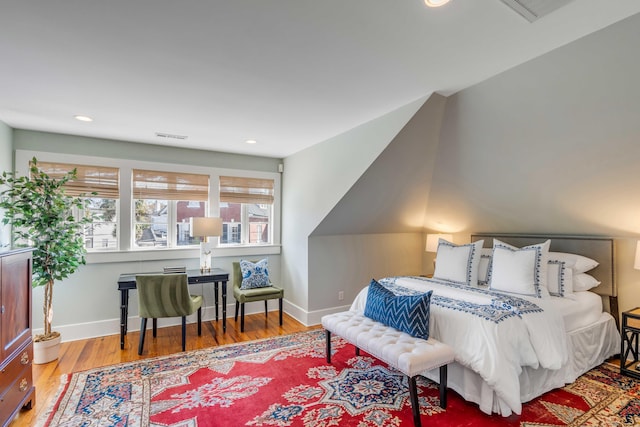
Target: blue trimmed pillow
520, 270
254, 275
407, 313
458, 263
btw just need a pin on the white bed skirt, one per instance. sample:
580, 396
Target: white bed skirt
588, 347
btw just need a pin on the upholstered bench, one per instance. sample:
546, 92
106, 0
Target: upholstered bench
411, 356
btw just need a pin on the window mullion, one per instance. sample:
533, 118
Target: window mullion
172, 223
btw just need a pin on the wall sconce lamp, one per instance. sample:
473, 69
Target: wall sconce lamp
636, 263
205, 227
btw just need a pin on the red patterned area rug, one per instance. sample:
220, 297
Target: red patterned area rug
285, 381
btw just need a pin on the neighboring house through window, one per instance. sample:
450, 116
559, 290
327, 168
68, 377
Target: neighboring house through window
146, 206
246, 209
163, 203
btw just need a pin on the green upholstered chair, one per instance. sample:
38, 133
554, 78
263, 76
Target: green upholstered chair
166, 295
243, 296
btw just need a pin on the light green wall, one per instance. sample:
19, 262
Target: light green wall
376, 229
60, 143
315, 180
6, 165
88, 303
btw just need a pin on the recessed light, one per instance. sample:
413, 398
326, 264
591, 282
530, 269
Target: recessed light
435, 3
83, 118
251, 141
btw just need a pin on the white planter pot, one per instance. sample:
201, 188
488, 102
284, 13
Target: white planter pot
46, 351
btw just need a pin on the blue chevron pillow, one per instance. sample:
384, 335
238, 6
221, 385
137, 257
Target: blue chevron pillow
407, 313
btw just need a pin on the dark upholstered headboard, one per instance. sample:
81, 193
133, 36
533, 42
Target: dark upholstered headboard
597, 248
600, 249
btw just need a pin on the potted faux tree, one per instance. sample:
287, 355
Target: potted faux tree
41, 216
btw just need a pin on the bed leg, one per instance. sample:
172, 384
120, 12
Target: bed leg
443, 387
328, 346
415, 406
357, 351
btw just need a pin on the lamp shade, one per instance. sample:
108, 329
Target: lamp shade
636, 263
432, 241
205, 226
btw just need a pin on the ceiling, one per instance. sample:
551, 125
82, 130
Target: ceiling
287, 73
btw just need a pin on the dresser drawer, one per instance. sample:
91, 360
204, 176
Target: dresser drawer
9, 372
15, 394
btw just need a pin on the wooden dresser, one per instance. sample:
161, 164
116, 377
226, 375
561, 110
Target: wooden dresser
16, 347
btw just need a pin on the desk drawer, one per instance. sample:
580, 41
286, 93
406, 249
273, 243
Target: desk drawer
203, 279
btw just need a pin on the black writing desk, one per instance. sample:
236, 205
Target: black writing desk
217, 276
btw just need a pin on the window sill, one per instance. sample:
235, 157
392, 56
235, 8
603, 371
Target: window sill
172, 253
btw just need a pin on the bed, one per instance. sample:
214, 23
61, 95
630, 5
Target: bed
512, 347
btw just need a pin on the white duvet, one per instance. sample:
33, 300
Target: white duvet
493, 334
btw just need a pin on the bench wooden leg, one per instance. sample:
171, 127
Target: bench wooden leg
328, 346
443, 387
415, 406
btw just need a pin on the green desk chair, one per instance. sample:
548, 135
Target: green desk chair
243, 296
166, 295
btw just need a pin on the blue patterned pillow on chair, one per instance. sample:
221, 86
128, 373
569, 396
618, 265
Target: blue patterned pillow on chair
254, 275
407, 313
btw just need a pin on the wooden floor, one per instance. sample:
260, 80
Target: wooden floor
92, 353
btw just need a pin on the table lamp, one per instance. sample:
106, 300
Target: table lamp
432, 242
205, 227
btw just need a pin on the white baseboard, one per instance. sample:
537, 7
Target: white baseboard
80, 331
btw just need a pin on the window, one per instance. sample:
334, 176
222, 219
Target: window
246, 209
163, 202
102, 233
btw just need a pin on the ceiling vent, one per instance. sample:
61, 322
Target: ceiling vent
170, 135
532, 10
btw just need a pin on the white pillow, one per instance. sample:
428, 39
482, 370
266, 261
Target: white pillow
559, 279
584, 282
458, 263
520, 270
484, 266
579, 263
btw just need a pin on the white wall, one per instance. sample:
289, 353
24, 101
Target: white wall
314, 180
6, 165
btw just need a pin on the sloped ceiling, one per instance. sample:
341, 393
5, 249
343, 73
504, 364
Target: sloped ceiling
392, 195
287, 73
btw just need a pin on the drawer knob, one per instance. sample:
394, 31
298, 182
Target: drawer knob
24, 384
24, 359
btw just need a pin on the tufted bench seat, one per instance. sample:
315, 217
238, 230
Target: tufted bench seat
411, 356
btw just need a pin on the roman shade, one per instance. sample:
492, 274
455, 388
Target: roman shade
103, 180
169, 185
235, 189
